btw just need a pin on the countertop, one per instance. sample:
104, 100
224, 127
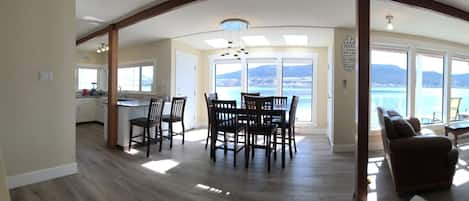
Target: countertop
131, 103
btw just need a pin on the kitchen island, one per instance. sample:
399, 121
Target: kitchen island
129, 109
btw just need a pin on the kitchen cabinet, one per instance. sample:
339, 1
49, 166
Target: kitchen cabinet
89, 110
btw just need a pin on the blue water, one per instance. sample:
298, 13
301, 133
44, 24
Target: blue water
428, 102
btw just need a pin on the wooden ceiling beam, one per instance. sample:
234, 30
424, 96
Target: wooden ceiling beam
438, 7
138, 17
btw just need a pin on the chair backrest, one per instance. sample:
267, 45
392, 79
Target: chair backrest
155, 110
280, 102
178, 105
208, 101
292, 112
454, 108
258, 102
223, 114
244, 94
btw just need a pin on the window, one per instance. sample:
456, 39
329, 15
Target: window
137, 78
297, 79
86, 78
228, 81
388, 82
459, 101
429, 88
271, 76
262, 78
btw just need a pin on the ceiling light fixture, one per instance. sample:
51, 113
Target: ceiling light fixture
297, 40
389, 19
234, 27
102, 48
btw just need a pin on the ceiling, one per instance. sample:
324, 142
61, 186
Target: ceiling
93, 14
197, 22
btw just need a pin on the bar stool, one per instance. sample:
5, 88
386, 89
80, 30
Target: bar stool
155, 112
178, 105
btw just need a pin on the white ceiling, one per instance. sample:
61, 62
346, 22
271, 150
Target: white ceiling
197, 22
419, 21
106, 10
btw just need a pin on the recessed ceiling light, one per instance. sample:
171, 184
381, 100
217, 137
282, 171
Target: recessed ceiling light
296, 40
217, 43
255, 40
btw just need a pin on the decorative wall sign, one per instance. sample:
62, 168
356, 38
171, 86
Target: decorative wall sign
349, 53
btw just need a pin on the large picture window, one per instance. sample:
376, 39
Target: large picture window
270, 77
429, 88
388, 82
138, 78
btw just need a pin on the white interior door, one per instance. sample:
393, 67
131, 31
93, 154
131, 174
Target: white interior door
186, 65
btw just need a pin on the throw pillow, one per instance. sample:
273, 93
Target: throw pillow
403, 128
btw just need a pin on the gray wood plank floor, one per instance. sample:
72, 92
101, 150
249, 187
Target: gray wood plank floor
186, 173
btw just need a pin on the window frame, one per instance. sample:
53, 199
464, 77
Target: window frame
139, 65
279, 57
99, 72
445, 88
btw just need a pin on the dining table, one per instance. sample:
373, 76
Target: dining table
275, 111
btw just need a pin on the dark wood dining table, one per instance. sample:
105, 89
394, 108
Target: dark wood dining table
276, 111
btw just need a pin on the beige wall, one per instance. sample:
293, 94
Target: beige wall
344, 94
160, 52
322, 65
4, 193
89, 57
37, 117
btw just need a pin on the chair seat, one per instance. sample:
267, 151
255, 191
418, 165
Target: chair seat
167, 118
262, 130
229, 127
143, 122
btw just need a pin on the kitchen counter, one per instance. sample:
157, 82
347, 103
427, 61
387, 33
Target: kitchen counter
131, 103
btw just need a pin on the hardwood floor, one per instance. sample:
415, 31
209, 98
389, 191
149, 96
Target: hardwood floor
186, 173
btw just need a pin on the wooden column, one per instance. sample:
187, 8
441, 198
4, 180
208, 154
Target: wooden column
112, 117
363, 40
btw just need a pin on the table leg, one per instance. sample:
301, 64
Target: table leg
283, 140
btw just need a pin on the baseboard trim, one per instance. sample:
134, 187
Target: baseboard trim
41, 175
343, 148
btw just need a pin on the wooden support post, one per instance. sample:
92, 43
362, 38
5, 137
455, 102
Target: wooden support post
363, 72
112, 117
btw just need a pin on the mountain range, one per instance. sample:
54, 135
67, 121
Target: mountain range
382, 75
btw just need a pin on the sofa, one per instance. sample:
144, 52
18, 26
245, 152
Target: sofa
420, 162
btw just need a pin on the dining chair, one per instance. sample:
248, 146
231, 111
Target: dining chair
225, 121
176, 115
208, 100
260, 123
155, 112
244, 94
290, 125
258, 103
280, 101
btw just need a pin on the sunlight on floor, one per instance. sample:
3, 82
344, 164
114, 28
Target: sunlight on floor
194, 135
464, 147
161, 166
211, 189
132, 151
461, 177
374, 164
372, 196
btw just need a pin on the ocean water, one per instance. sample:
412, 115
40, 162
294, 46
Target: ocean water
429, 102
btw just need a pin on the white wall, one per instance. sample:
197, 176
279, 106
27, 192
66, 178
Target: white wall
37, 117
4, 194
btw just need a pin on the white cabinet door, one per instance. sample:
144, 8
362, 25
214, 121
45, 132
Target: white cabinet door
86, 110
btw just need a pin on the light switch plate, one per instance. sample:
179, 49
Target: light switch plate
46, 76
